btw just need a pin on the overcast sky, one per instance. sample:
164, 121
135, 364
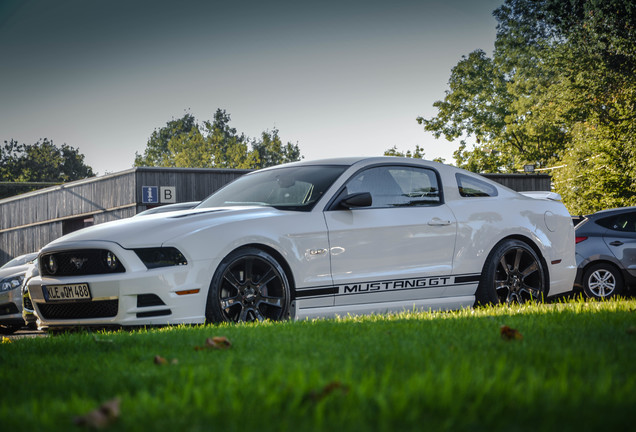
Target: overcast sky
340, 78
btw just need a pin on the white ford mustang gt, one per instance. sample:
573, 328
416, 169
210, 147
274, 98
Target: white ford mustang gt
314, 239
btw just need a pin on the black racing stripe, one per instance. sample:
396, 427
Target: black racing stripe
317, 292
465, 279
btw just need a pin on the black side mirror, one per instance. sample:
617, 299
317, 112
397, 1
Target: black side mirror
361, 199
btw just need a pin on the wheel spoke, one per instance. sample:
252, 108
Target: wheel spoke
249, 263
518, 254
243, 315
504, 265
271, 301
258, 315
228, 302
229, 277
532, 292
268, 277
530, 269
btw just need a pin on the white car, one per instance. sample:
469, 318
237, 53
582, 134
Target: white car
314, 239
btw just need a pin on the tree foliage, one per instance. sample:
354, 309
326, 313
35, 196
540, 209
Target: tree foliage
418, 153
213, 144
559, 90
42, 161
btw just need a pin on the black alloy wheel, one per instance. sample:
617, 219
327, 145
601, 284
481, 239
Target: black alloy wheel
249, 285
513, 273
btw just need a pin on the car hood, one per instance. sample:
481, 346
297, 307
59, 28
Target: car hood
162, 227
12, 271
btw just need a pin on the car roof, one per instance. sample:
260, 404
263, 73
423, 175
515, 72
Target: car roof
353, 160
610, 212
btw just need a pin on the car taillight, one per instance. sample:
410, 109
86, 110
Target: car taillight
578, 240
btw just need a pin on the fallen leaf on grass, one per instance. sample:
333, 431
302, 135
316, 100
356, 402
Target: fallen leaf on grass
508, 333
318, 395
217, 342
105, 415
6, 340
162, 361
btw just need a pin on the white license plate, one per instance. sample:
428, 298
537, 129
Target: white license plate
66, 292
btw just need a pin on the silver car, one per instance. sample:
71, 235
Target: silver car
606, 252
11, 282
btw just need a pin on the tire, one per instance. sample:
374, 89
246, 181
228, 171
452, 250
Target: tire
248, 285
602, 281
513, 273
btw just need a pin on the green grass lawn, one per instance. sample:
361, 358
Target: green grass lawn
572, 367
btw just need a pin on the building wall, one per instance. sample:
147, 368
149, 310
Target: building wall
523, 182
30, 221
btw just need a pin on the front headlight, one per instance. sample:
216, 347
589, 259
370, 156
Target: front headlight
161, 257
11, 282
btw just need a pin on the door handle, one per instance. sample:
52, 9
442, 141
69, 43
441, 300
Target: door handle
438, 222
616, 243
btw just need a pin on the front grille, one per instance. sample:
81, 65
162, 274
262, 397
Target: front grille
79, 310
80, 262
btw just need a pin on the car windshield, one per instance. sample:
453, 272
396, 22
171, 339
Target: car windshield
285, 188
21, 260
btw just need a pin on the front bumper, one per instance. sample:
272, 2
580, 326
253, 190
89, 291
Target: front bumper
136, 297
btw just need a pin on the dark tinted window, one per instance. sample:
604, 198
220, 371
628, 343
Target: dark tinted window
625, 222
397, 186
471, 187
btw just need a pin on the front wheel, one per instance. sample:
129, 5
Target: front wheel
513, 273
248, 285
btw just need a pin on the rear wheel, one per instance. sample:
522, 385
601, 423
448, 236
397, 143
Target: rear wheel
248, 285
513, 273
602, 281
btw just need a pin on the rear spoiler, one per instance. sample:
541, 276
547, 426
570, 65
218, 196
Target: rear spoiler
542, 195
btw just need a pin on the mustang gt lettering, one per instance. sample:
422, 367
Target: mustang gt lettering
397, 284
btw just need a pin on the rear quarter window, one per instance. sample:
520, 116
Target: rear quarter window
471, 187
625, 222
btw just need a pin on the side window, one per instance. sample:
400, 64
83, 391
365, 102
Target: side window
397, 186
472, 187
625, 222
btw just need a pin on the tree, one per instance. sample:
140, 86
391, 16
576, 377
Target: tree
158, 151
271, 150
559, 90
42, 162
214, 144
599, 167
